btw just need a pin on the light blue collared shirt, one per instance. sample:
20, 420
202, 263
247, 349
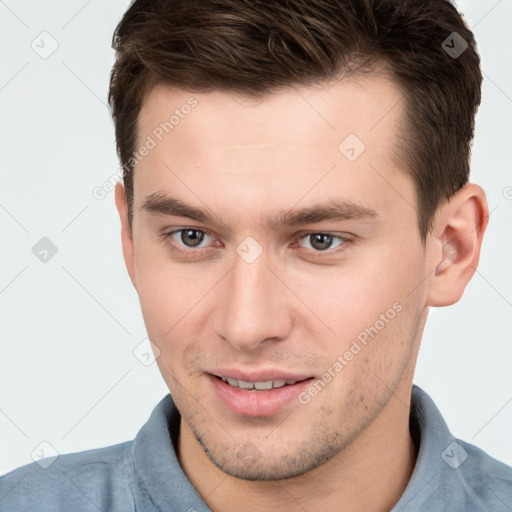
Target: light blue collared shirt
145, 475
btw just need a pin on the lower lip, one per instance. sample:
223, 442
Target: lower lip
256, 403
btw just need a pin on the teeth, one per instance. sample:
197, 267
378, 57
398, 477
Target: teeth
242, 384
260, 386
263, 385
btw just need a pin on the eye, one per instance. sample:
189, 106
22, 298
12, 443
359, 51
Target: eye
189, 238
324, 242
193, 242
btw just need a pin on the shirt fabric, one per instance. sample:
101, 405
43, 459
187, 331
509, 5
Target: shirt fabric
145, 474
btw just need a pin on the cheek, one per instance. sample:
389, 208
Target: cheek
372, 304
160, 290
367, 361
171, 296
350, 297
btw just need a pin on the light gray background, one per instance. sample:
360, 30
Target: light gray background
68, 373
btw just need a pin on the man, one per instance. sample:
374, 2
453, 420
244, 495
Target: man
295, 199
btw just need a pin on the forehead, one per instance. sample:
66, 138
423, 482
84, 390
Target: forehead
300, 141
359, 103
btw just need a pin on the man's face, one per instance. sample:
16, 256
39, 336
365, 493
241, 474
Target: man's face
335, 304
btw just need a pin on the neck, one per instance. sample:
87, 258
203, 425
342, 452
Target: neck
370, 474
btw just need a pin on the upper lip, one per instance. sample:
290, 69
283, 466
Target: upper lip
258, 375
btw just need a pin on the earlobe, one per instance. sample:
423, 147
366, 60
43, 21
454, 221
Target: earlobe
126, 233
456, 245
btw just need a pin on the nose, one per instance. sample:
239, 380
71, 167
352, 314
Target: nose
253, 305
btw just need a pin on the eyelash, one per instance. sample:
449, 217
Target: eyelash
314, 254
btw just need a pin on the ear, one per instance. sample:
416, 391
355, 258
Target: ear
126, 232
455, 245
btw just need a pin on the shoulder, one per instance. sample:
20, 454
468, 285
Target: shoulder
91, 480
488, 481
451, 474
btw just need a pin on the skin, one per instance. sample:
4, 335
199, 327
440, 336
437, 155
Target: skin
349, 448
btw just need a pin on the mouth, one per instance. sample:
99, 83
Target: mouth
258, 386
255, 397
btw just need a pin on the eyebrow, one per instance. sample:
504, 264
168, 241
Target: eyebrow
159, 203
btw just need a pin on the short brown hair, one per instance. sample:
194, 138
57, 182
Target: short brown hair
253, 47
